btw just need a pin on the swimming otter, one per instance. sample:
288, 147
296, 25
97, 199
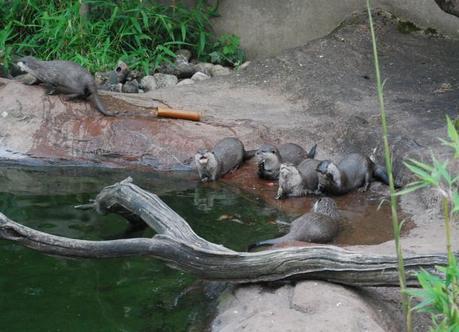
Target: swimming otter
64, 77
298, 180
319, 226
227, 155
352, 172
269, 158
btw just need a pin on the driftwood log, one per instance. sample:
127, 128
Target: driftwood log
176, 244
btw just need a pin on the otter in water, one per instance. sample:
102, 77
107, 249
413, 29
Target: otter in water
354, 171
64, 77
319, 226
228, 154
301, 180
269, 158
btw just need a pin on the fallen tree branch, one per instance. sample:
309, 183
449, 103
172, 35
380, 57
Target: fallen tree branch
181, 248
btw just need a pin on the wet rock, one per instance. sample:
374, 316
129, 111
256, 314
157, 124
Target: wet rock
219, 70
186, 81
165, 80
204, 67
131, 87
183, 54
198, 76
148, 83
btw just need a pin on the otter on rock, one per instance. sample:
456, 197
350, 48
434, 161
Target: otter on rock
64, 77
301, 180
319, 226
227, 155
352, 172
269, 158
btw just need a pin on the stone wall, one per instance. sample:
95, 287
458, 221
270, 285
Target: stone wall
268, 26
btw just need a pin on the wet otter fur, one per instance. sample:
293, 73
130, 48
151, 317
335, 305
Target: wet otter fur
64, 77
319, 226
301, 180
269, 158
227, 155
355, 171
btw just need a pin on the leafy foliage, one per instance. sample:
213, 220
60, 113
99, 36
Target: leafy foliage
439, 295
142, 33
227, 51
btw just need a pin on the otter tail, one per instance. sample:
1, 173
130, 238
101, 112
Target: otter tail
312, 153
380, 173
99, 105
249, 154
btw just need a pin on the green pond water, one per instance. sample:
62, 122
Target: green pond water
43, 293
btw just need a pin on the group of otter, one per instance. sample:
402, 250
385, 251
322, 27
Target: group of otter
295, 169
298, 174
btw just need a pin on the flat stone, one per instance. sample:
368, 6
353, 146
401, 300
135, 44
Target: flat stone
186, 81
198, 76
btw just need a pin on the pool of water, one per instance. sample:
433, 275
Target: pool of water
44, 293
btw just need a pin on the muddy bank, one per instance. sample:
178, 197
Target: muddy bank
321, 93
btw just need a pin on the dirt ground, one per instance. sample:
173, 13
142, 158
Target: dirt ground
323, 92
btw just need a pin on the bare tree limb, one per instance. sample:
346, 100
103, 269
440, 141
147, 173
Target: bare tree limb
181, 248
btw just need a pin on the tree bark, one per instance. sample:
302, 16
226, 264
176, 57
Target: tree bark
181, 248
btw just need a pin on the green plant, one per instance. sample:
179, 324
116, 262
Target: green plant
440, 291
227, 51
388, 160
143, 33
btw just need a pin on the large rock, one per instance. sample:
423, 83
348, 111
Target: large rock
307, 306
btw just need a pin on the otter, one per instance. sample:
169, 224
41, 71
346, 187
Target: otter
64, 77
301, 180
227, 155
269, 158
355, 171
319, 226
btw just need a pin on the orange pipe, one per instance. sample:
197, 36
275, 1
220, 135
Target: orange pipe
164, 112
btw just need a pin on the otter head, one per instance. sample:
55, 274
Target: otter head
329, 175
206, 164
289, 176
326, 206
27, 64
268, 160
